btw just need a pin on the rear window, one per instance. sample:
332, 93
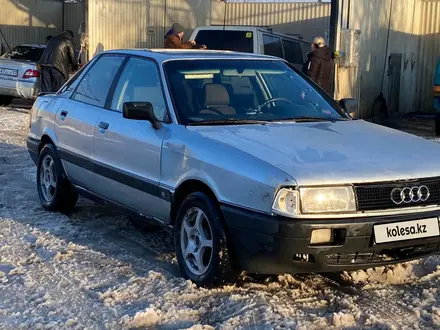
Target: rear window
239, 41
25, 53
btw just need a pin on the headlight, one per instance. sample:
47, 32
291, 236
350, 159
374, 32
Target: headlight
285, 202
327, 200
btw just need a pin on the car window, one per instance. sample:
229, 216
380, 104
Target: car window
239, 41
140, 82
24, 53
69, 87
272, 46
252, 90
94, 86
293, 52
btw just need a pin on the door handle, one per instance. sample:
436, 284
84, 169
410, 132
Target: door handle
103, 125
63, 114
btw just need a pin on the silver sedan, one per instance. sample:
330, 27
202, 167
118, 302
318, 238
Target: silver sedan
252, 164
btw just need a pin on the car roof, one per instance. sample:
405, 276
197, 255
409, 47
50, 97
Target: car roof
162, 55
266, 29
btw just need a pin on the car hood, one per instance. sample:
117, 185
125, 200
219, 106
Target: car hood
333, 153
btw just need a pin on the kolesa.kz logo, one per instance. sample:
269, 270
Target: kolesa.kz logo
404, 231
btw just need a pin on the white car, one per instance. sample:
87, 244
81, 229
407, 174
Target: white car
257, 40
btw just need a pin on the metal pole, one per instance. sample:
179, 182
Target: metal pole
334, 15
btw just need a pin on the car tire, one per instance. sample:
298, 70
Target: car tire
5, 100
54, 189
198, 226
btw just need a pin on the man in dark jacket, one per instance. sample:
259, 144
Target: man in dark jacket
57, 60
319, 67
174, 39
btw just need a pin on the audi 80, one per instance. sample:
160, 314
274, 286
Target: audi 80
253, 166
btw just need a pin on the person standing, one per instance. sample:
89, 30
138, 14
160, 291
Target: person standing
57, 60
174, 39
319, 66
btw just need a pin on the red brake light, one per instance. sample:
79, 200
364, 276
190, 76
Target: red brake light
31, 74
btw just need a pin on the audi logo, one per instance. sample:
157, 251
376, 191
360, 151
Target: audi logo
410, 195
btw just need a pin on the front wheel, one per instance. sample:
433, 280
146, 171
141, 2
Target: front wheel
201, 242
55, 191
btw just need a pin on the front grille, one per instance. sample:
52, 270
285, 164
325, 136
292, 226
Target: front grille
371, 197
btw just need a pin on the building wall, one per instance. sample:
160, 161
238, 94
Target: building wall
28, 21
145, 22
307, 19
31, 21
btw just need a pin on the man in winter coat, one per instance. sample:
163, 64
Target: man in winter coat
319, 66
174, 39
57, 60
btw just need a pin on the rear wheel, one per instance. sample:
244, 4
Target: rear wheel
201, 242
5, 100
54, 189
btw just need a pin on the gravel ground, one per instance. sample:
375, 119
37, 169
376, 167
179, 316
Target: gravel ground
92, 270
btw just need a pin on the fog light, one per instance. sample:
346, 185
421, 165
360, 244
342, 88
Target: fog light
321, 236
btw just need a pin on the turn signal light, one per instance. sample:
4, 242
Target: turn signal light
31, 74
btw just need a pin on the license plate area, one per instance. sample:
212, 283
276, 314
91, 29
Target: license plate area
8, 72
406, 230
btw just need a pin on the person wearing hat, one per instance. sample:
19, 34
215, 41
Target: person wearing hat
57, 60
174, 39
320, 64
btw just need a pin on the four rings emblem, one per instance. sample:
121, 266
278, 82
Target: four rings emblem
410, 195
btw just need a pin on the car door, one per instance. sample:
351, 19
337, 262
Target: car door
128, 152
272, 46
77, 115
293, 53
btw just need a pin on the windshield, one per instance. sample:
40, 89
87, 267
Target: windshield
24, 53
242, 91
239, 41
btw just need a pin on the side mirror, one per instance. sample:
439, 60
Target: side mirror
141, 111
350, 106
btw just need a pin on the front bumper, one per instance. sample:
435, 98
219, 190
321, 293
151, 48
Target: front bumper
33, 146
273, 245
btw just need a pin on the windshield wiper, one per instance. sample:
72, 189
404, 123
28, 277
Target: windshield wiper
228, 122
311, 119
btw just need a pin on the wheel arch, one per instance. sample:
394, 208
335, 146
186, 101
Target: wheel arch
186, 188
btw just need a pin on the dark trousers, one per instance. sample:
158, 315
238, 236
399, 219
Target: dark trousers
51, 79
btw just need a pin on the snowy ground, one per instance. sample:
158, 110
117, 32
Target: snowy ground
93, 270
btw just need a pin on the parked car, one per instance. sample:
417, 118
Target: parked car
254, 166
19, 76
251, 39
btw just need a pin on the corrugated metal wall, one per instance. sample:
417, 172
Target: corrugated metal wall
29, 21
414, 34
143, 23
308, 19
73, 16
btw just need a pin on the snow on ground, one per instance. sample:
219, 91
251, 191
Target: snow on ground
92, 270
